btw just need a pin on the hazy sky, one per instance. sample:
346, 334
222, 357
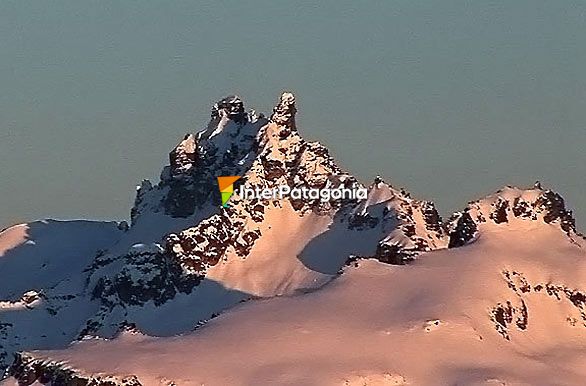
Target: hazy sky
451, 99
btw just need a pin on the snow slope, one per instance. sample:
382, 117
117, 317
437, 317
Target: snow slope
436, 321
184, 259
41, 272
349, 292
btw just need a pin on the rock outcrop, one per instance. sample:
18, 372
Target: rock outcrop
515, 313
184, 250
284, 112
511, 206
27, 371
183, 158
226, 147
284, 158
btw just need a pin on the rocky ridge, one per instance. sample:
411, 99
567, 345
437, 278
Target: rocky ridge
270, 153
226, 147
511, 205
285, 158
197, 237
28, 370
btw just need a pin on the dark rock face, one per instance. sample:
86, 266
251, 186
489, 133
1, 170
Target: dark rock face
433, 220
522, 209
362, 221
227, 147
499, 212
231, 106
395, 254
27, 370
464, 230
414, 226
554, 208
198, 249
145, 276
504, 315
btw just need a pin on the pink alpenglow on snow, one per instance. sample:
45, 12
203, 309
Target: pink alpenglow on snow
370, 290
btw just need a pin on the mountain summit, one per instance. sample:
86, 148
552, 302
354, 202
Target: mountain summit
185, 259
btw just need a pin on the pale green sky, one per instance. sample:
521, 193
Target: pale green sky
452, 99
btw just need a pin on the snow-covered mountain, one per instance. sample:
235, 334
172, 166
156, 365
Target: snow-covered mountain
362, 284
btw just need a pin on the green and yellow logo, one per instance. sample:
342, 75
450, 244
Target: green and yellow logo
226, 184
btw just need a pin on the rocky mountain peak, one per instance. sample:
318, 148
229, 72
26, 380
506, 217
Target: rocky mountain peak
282, 158
185, 251
267, 154
227, 146
406, 226
284, 112
512, 205
378, 180
231, 107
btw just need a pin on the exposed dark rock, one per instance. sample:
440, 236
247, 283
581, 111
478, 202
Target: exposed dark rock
232, 107
521, 208
393, 254
517, 282
203, 247
432, 218
554, 208
503, 314
523, 317
362, 221
509, 204
28, 370
145, 276
463, 231
499, 212
227, 147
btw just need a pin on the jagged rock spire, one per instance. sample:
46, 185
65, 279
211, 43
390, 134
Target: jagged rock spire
284, 112
230, 106
183, 157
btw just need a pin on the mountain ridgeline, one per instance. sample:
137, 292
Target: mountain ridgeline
184, 259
